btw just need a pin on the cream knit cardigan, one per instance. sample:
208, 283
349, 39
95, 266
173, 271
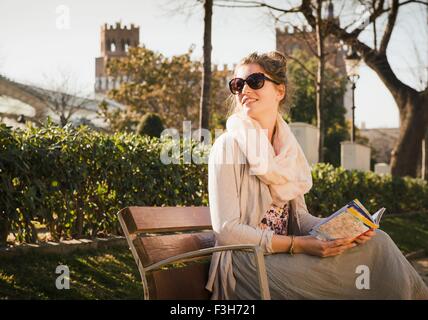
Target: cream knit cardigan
237, 202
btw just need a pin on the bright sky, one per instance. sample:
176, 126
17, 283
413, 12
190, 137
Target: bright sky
34, 50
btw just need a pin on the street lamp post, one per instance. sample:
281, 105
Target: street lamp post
353, 79
352, 61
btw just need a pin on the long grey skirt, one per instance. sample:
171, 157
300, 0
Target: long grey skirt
374, 270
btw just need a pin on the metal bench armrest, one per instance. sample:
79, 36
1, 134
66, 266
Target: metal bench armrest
258, 254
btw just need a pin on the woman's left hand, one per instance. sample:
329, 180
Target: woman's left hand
365, 237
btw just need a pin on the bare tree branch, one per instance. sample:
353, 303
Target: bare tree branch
377, 12
183, 7
252, 4
236, 6
374, 29
300, 63
413, 1
306, 36
390, 26
63, 98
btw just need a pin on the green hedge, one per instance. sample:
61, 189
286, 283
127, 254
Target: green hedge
74, 181
334, 187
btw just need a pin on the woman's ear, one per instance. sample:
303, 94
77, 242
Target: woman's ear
281, 91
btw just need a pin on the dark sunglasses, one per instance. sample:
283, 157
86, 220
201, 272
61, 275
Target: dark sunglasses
255, 81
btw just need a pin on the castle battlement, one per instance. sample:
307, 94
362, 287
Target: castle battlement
292, 30
118, 26
224, 67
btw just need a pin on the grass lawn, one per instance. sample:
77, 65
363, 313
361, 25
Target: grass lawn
112, 273
410, 233
96, 274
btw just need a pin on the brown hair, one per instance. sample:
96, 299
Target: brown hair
274, 63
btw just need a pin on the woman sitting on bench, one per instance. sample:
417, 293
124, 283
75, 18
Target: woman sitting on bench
258, 176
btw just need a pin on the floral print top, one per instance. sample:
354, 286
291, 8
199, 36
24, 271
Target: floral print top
276, 218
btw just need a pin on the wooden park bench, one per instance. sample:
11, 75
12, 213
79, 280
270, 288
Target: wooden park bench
161, 236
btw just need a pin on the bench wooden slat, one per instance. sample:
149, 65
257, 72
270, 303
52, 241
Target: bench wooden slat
166, 219
155, 249
182, 284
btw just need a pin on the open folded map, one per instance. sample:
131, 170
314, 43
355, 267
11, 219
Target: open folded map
349, 221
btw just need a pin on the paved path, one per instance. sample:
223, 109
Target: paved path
421, 265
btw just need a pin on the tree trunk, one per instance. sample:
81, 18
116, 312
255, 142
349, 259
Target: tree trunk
319, 108
206, 77
424, 174
4, 229
320, 82
79, 218
407, 153
63, 120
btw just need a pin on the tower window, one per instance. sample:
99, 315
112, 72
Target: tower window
112, 47
126, 49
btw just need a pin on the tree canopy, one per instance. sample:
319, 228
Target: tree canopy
168, 86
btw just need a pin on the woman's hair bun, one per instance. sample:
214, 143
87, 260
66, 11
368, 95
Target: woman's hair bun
277, 55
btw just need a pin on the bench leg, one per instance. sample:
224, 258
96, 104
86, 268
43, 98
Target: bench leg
261, 273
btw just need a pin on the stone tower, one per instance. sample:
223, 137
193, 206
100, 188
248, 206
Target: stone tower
115, 42
290, 39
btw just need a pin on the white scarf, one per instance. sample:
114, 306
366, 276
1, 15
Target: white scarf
283, 166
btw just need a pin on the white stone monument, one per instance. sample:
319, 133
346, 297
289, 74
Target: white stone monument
354, 156
307, 136
382, 168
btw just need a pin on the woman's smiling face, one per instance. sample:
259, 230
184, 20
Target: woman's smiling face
256, 102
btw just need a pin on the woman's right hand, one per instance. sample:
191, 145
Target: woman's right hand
322, 248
